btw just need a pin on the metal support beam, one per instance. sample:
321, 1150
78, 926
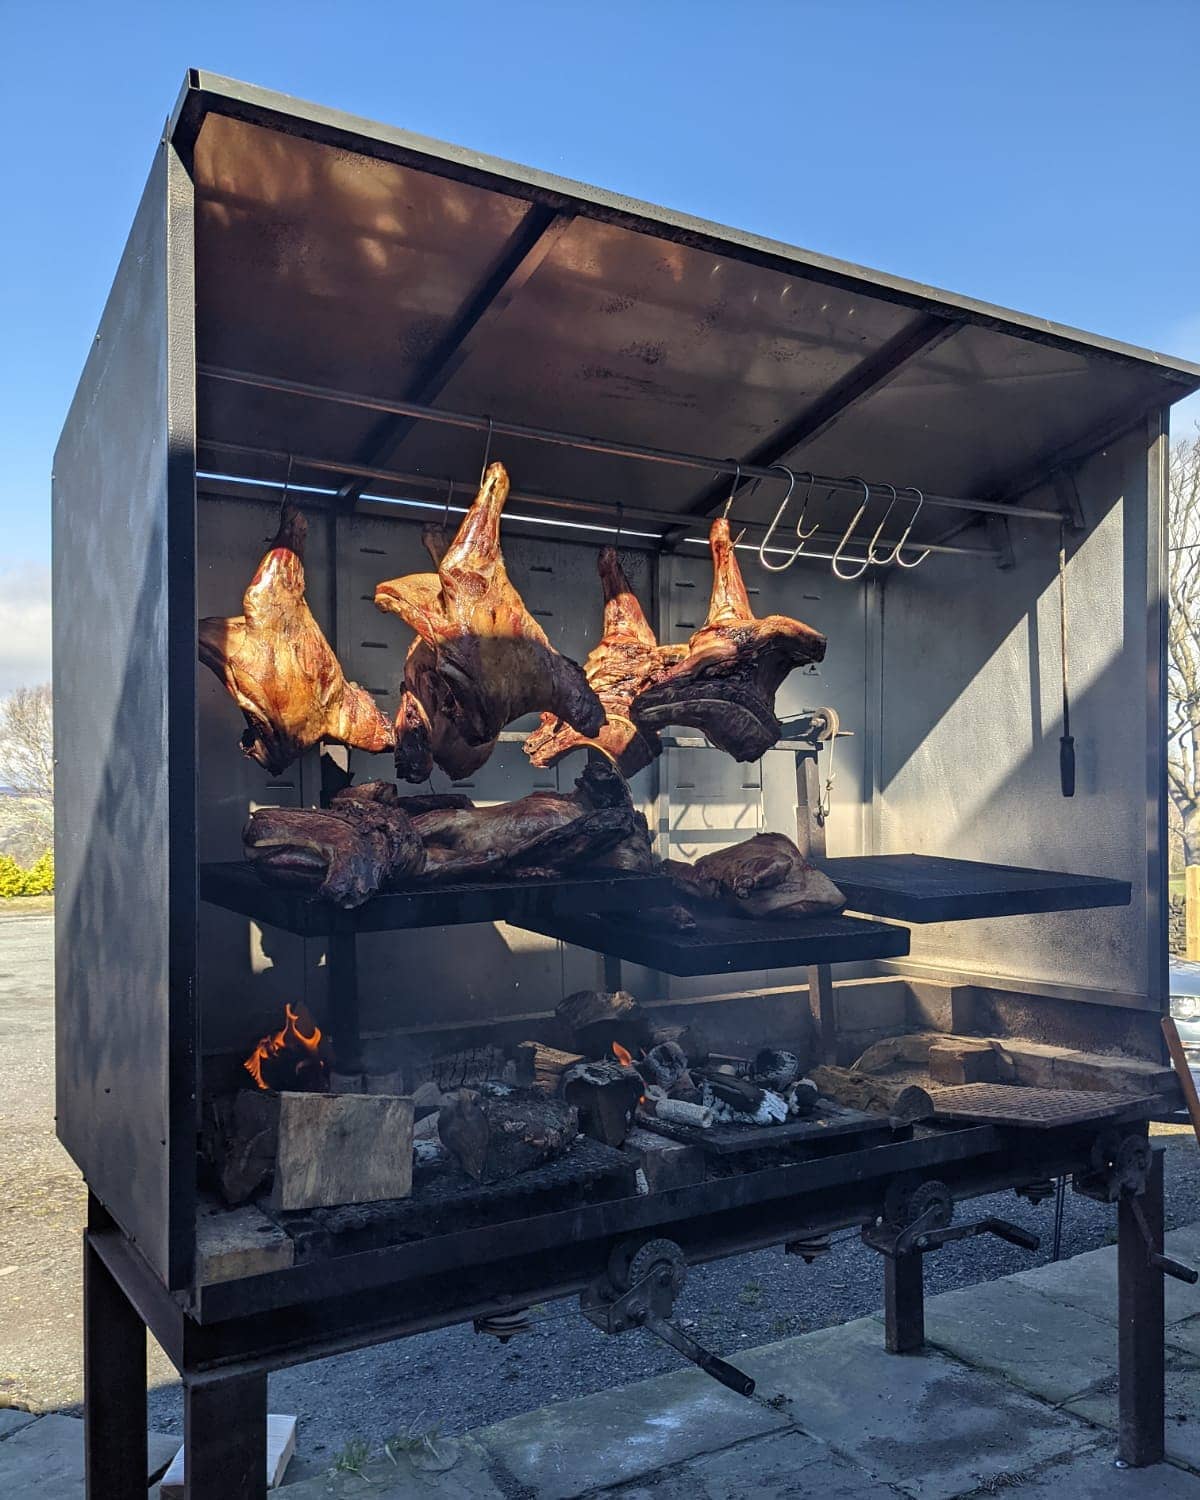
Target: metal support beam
532, 240
225, 1438
114, 1386
904, 1303
867, 378
1141, 1360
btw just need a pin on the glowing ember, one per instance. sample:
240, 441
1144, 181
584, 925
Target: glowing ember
296, 1057
622, 1056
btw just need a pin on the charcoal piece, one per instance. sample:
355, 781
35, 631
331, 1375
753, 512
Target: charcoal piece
665, 1065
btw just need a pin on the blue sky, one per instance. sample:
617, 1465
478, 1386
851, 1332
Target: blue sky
1039, 155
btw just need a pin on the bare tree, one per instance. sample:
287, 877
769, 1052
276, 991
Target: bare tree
27, 773
1183, 644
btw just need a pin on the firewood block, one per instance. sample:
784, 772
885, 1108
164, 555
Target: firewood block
543, 1067
342, 1148
963, 1061
281, 1445
666, 1164
606, 1095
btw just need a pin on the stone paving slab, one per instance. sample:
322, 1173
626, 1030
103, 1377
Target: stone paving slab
1182, 1426
45, 1459
624, 1434
381, 1479
772, 1468
923, 1422
1037, 1344
1089, 1282
12, 1419
1092, 1476
1185, 1336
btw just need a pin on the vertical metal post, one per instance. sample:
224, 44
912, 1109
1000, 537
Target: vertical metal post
810, 840
1140, 1326
904, 1302
225, 1438
342, 1017
114, 1386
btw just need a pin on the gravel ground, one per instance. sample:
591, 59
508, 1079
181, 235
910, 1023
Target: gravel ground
452, 1380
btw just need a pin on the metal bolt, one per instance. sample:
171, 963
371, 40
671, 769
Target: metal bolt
923, 1241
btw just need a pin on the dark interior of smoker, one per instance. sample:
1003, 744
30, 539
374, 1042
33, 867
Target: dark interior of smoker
301, 295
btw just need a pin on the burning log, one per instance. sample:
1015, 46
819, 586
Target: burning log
465, 1068
904, 1101
542, 1067
666, 1066
297, 1057
606, 1095
495, 1137
598, 1018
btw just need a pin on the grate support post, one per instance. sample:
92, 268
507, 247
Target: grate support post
1140, 1326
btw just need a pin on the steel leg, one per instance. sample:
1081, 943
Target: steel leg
114, 1387
342, 1013
225, 1438
904, 1302
1141, 1360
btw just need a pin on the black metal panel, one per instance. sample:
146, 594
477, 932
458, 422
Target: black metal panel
237, 888
729, 945
124, 689
926, 888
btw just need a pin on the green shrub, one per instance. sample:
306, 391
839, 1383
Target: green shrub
37, 880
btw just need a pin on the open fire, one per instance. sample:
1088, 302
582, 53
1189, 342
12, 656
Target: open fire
295, 1058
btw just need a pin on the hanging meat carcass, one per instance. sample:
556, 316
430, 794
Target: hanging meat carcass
627, 660
480, 659
765, 876
725, 685
280, 669
543, 834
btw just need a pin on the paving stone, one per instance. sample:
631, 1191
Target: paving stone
1089, 1282
1185, 1336
12, 1419
623, 1434
45, 1459
1046, 1347
1182, 1425
919, 1421
770, 1468
1092, 1477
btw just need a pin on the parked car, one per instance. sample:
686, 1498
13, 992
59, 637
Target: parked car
1185, 1004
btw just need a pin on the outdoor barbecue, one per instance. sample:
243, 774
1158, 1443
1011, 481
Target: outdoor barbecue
551, 936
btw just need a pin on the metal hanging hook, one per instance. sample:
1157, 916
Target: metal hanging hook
857, 517
449, 497
762, 546
616, 541
737, 484
816, 526
911, 489
871, 556
487, 452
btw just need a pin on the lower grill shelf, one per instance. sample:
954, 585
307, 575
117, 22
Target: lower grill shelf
721, 944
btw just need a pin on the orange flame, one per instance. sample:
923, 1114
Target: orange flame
291, 1045
622, 1056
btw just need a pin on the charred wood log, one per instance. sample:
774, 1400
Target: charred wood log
606, 1096
239, 1136
596, 1019
691, 1038
462, 1069
665, 1065
904, 1101
493, 1138
542, 1067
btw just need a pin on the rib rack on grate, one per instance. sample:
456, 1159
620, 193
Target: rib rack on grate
1039, 1109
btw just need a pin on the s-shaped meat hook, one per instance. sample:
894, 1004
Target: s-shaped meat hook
838, 550
803, 535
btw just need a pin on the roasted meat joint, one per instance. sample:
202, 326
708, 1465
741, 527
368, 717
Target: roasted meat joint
654, 837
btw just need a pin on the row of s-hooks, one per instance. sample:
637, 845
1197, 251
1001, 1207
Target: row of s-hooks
891, 553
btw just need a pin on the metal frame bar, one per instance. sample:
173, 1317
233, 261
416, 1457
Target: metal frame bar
583, 443
530, 243
866, 379
1141, 1357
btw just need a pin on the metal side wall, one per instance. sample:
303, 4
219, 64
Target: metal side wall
124, 689
972, 719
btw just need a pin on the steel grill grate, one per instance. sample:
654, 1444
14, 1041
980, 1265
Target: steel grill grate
1039, 1109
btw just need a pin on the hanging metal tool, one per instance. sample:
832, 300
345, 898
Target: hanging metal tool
1066, 747
849, 532
894, 556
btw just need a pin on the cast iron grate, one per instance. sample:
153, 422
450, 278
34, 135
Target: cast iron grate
1039, 1109
445, 1200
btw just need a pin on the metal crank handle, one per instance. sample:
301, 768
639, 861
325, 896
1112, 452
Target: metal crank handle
1175, 1268
735, 1380
1013, 1233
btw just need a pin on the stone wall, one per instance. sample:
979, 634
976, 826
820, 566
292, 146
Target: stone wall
1178, 926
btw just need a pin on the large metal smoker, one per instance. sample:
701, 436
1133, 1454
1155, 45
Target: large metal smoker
361, 313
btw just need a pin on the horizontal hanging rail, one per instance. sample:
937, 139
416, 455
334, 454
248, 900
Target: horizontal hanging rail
586, 444
521, 497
